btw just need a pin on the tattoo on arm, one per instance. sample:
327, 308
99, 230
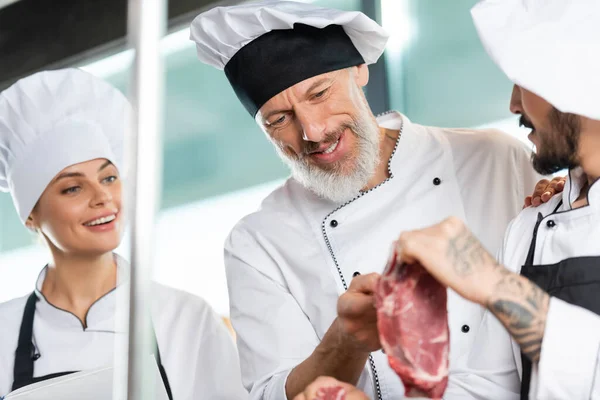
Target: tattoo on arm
467, 253
521, 307
518, 303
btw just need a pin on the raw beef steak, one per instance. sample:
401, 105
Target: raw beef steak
412, 319
331, 393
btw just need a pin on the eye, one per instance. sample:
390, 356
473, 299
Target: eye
71, 190
110, 179
278, 122
320, 94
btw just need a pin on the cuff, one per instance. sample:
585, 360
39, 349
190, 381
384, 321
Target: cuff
275, 389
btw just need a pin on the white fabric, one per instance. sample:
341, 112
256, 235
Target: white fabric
196, 349
220, 32
549, 47
52, 120
569, 365
284, 283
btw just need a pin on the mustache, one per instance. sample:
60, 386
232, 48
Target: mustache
330, 137
524, 121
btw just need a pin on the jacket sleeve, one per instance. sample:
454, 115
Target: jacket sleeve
218, 364
273, 333
569, 366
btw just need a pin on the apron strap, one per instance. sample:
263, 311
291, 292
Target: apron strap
540, 217
24, 356
163, 372
525, 361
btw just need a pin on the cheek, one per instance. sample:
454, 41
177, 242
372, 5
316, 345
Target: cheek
536, 108
287, 140
60, 219
116, 193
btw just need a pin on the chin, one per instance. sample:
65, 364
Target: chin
99, 248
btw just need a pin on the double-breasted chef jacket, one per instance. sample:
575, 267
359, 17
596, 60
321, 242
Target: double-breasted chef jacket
558, 248
196, 349
288, 263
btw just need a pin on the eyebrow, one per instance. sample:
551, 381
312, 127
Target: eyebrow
306, 93
317, 84
79, 174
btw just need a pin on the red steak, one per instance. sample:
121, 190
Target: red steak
412, 319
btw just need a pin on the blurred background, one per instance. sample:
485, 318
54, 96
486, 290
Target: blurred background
218, 165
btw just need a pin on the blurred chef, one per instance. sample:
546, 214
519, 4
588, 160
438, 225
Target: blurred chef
545, 292
61, 159
357, 181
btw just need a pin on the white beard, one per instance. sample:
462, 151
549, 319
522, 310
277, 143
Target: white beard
334, 185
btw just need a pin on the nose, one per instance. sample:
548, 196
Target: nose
516, 107
102, 196
312, 126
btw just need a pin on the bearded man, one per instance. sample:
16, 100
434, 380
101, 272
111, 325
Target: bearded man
357, 182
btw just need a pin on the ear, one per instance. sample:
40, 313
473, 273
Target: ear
361, 75
30, 224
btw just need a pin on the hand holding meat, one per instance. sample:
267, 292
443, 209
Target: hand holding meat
454, 256
357, 316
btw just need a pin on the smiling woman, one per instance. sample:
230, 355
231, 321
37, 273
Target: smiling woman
61, 145
79, 210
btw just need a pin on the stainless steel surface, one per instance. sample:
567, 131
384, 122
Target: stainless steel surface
146, 26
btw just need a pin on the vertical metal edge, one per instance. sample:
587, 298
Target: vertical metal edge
134, 378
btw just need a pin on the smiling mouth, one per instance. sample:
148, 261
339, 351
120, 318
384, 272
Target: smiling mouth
101, 221
330, 149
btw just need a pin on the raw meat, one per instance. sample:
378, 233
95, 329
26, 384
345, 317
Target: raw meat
331, 393
412, 319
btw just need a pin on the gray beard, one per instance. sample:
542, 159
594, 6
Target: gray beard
334, 185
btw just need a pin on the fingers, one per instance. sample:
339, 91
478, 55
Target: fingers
528, 201
365, 284
545, 190
356, 305
540, 189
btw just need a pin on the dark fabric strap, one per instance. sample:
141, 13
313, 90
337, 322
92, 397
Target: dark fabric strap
161, 368
25, 354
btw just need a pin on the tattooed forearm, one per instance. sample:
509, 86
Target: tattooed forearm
521, 307
467, 253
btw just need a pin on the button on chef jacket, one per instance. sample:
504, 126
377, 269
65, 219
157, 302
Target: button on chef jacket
196, 350
569, 366
288, 263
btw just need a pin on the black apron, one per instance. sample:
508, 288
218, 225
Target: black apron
574, 280
26, 354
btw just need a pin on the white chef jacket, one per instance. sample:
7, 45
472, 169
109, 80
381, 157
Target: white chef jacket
569, 366
288, 263
196, 349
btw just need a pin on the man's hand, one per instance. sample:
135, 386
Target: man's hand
455, 257
452, 254
345, 347
545, 190
357, 316
326, 388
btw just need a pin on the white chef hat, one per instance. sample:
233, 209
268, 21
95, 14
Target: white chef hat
270, 46
549, 47
52, 120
